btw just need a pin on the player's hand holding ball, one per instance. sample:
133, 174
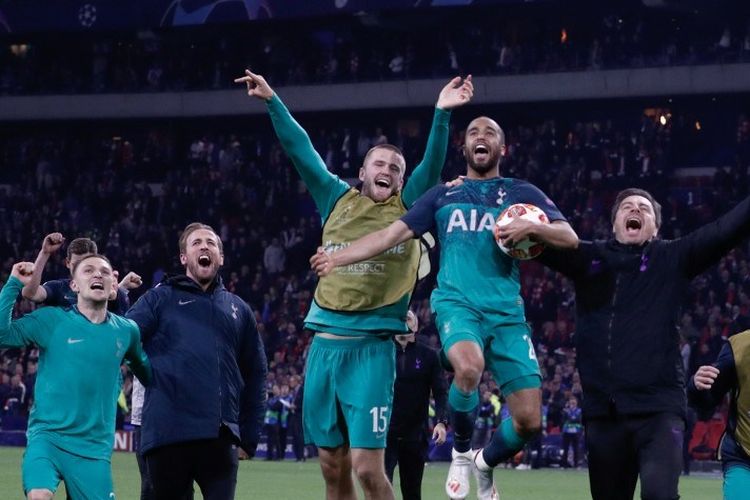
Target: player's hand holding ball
515, 230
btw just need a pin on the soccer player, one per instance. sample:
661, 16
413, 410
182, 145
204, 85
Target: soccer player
210, 367
629, 291
72, 424
418, 373
480, 314
707, 389
351, 365
58, 292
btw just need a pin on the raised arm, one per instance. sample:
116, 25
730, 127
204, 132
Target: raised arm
704, 247
33, 290
364, 248
324, 187
26, 330
456, 93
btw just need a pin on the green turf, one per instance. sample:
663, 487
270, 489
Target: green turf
302, 481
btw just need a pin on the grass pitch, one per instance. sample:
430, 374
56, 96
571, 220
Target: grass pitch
302, 481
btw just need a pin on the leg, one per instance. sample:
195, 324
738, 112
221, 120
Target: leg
216, 467
147, 492
170, 470
468, 362
282, 444
565, 444
336, 466
613, 469
659, 441
40, 470
87, 478
368, 465
412, 456
736, 481
392, 449
323, 421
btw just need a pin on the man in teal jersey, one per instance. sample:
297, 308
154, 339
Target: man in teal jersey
351, 365
479, 310
72, 424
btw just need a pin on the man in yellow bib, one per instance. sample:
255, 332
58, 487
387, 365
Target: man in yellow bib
355, 312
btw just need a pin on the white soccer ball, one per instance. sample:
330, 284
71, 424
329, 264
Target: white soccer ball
525, 249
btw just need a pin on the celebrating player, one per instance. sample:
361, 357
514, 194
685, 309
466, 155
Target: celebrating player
209, 371
351, 364
479, 311
58, 292
72, 424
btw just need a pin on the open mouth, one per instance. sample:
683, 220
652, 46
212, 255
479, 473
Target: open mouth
204, 261
481, 152
633, 224
383, 182
97, 286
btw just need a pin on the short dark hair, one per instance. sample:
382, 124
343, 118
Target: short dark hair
389, 147
636, 192
500, 131
81, 246
194, 226
92, 256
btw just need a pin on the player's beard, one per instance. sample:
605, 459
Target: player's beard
483, 168
203, 275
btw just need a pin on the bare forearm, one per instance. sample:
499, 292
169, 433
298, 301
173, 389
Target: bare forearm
373, 244
559, 234
33, 291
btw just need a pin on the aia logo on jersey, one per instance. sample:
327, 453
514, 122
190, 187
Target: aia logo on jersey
501, 194
473, 221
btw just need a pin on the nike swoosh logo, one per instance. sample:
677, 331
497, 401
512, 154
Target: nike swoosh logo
451, 193
74, 341
185, 302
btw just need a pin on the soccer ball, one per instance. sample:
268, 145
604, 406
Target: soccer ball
87, 15
525, 249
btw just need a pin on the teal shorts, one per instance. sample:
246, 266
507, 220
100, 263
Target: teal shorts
506, 343
45, 465
348, 392
736, 481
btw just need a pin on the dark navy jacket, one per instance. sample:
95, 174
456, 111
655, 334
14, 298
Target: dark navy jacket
209, 364
628, 302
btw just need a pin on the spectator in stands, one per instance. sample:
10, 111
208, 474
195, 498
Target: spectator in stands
572, 428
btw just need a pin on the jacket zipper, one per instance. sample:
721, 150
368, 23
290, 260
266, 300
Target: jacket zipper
609, 330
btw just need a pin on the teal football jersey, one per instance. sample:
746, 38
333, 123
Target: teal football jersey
473, 270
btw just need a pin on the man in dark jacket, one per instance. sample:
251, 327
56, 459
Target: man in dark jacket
210, 367
629, 291
418, 373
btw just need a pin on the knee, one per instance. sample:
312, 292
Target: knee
468, 371
370, 478
528, 423
39, 494
332, 470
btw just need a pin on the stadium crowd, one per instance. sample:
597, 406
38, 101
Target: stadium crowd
297, 52
134, 192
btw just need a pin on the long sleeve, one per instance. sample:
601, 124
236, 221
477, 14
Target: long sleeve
324, 187
705, 246
144, 314
30, 329
137, 359
725, 381
571, 263
253, 367
427, 173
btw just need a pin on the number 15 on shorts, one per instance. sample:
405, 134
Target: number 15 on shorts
379, 419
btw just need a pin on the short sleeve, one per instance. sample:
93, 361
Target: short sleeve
421, 216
